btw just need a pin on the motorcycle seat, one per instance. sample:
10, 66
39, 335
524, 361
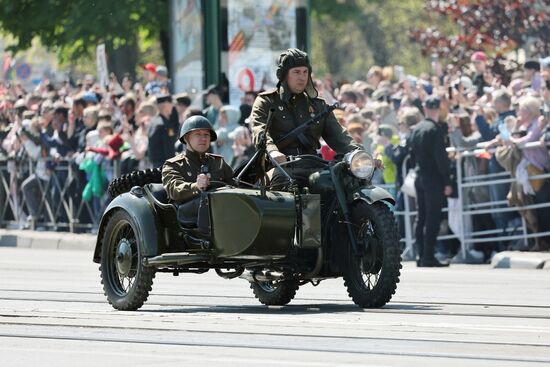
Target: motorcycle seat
159, 193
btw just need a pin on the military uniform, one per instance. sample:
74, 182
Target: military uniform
162, 137
290, 112
179, 174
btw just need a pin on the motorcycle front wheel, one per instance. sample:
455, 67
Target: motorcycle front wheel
126, 282
371, 279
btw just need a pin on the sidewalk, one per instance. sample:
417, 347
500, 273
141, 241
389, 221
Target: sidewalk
521, 260
47, 240
73, 241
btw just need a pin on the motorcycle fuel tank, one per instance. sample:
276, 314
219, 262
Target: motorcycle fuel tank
247, 225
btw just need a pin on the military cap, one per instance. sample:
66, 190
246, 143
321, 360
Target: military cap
163, 98
182, 98
532, 65
432, 102
213, 89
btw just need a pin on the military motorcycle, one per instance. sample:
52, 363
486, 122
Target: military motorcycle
336, 225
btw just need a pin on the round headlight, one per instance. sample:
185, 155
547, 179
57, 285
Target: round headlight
360, 164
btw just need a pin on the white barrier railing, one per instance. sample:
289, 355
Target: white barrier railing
463, 210
58, 203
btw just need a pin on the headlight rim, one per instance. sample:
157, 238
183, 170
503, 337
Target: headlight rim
351, 156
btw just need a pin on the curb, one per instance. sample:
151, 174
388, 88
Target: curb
521, 260
86, 242
47, 240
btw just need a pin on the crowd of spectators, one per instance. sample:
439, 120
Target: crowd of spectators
87, 126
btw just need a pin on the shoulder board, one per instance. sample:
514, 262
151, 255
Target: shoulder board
267, 92
319, 99
214, 155
177, 158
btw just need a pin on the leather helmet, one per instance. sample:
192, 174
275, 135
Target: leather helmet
293, 58
289, 59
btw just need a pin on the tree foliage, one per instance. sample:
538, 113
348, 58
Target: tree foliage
493, 26
75, 27
349, 36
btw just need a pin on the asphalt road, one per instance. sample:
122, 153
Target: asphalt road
53, 313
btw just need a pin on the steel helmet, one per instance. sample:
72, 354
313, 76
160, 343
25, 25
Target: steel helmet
197, 123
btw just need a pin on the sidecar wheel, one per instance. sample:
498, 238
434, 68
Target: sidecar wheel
126, 282
275, 293
371, 280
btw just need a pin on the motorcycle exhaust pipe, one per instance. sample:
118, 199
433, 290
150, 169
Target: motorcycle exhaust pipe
174, 259
261, 276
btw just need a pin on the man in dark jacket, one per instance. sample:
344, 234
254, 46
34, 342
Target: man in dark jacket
432, 182
162, 133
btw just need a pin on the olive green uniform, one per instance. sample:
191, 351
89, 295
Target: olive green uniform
179, 174
290, 112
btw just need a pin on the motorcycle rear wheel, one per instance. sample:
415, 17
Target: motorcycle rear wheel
371, 280
126, 282
275, 293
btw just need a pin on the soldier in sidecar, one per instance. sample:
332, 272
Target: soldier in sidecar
186, 176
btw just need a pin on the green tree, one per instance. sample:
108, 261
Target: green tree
349, 36
74, 28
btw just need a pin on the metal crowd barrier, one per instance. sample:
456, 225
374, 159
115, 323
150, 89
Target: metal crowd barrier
58, 203
463, 210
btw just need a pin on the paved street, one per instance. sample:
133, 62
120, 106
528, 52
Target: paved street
53, 313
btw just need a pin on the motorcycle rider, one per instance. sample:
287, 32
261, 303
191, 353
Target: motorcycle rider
295, 100
188, 174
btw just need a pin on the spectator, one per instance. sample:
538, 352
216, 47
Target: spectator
536, 161
214, 102
150, 72
243, 149
228, 121
161, 134
182, 104
479, 59
163, 80
531, 75
432, 183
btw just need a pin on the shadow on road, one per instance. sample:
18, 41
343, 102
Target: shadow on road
296, 309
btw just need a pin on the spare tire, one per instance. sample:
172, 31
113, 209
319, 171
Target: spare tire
124, 183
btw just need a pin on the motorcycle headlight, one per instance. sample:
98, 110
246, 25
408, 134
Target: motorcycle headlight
360, 164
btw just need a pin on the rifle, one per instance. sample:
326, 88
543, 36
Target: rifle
298, 132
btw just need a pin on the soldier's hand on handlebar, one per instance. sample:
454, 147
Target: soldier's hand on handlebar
203, 181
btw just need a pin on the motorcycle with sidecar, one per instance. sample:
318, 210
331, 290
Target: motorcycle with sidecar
336, 225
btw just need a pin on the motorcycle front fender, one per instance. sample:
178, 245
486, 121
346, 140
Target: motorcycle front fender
372, 194
144, 218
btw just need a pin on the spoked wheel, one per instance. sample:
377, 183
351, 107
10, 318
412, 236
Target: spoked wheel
275, 293
126, 282
371, 280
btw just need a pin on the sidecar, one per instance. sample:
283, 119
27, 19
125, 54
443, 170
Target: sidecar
237, 228
337, 225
